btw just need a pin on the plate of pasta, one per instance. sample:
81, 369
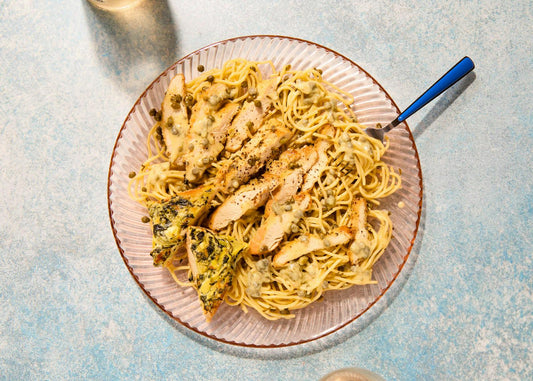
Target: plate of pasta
248, 203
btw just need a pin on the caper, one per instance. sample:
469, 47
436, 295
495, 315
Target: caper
145, 219
189, 100
210, 78
143, 189
257, 103
131, 175
200, 68
330, 201
177, 98
170, 121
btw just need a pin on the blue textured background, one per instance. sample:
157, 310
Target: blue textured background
69, 74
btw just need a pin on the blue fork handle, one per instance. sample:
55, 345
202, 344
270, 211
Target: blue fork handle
462, 68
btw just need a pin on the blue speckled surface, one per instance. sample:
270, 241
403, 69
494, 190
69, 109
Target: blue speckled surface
69, 74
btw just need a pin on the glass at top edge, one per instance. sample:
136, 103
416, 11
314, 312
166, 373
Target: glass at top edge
230, 325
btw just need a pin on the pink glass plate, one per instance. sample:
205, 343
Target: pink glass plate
230, 324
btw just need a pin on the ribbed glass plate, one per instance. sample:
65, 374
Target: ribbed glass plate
231, 325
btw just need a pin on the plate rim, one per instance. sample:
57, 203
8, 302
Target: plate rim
326, 332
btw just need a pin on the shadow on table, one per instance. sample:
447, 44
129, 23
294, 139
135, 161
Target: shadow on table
133, 45
443, 103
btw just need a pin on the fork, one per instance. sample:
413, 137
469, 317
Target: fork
461, 68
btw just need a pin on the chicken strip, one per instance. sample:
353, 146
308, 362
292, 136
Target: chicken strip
203, 146
308, 243
321, 147
360, 247
263, 146
273, 229
210, 100
174, 117
297, 163
252, 114
248, 197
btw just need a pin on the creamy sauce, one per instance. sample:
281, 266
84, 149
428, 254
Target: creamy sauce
360, 249
257, 276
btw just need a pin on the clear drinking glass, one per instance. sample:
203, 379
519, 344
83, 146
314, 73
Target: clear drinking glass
112, 5
352, 374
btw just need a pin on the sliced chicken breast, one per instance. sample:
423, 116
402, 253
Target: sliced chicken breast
306, 244
360, 247
274, 228
248, 197
321, 163
263, 147
252, 114
204, 145
174, 117
211, 99
297, 163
